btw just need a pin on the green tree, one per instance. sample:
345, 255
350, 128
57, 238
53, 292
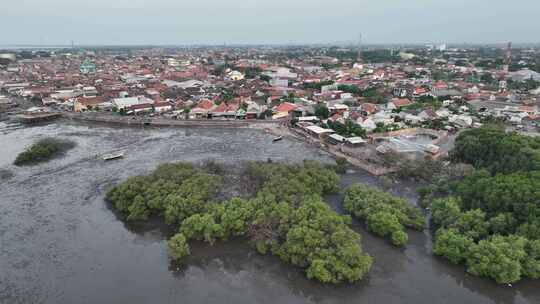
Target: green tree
453, 245
472, 224
445, 211
400, 238
384, 213
492, 148
322, 112
531, 263
498, 257
178, 247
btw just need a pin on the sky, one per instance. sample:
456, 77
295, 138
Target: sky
180, 22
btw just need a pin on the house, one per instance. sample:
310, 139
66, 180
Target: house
335, 139
355, 141
461, 120
308, 119
225, 110
123, 103
368, 109
440, 85
318, 131
303, 110
46, 101
420, 91
530, 110
254, 110
279, 82
202, 109
413, 119
140, 108
66, 94
89, 91
82, 104
398, 103
382, 117
284, 109
428, 114
160, 107
367, 123
338, 108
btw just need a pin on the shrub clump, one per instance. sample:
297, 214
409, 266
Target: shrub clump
385, 214
43, 150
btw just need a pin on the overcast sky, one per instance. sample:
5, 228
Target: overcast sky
115, 22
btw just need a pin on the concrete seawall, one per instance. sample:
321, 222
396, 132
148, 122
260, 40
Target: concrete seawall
163, 122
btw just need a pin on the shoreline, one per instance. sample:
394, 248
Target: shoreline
274, 127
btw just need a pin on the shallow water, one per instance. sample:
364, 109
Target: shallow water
60, 243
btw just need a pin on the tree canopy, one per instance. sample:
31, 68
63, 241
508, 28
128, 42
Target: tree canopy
385, 214
284, 214
494, 149
492, 220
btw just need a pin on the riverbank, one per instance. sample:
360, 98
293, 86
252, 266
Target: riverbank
165, 122
274, 127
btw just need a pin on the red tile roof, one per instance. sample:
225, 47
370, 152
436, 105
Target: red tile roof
162, 104
205, 104
369, 108
420, 90
402, 102
141, 106
286, 107
440, 85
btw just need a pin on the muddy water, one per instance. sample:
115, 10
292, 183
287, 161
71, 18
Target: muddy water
60, 243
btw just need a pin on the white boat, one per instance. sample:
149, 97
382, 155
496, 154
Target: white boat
113, 156
277, 138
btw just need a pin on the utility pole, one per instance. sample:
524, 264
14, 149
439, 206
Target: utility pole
508, 57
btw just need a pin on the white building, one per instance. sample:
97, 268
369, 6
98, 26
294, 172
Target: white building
122, 103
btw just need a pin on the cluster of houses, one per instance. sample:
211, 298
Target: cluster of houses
243, 84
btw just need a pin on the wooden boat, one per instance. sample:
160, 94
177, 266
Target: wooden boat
277, 138
113, 156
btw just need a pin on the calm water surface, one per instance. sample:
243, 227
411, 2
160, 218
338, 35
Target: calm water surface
60, 243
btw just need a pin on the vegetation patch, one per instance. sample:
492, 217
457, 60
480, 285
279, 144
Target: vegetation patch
43, 150
497, 151
492, 225
490, 219
283, 214
384, 214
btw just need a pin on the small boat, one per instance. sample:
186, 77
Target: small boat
113, 156
277, 138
